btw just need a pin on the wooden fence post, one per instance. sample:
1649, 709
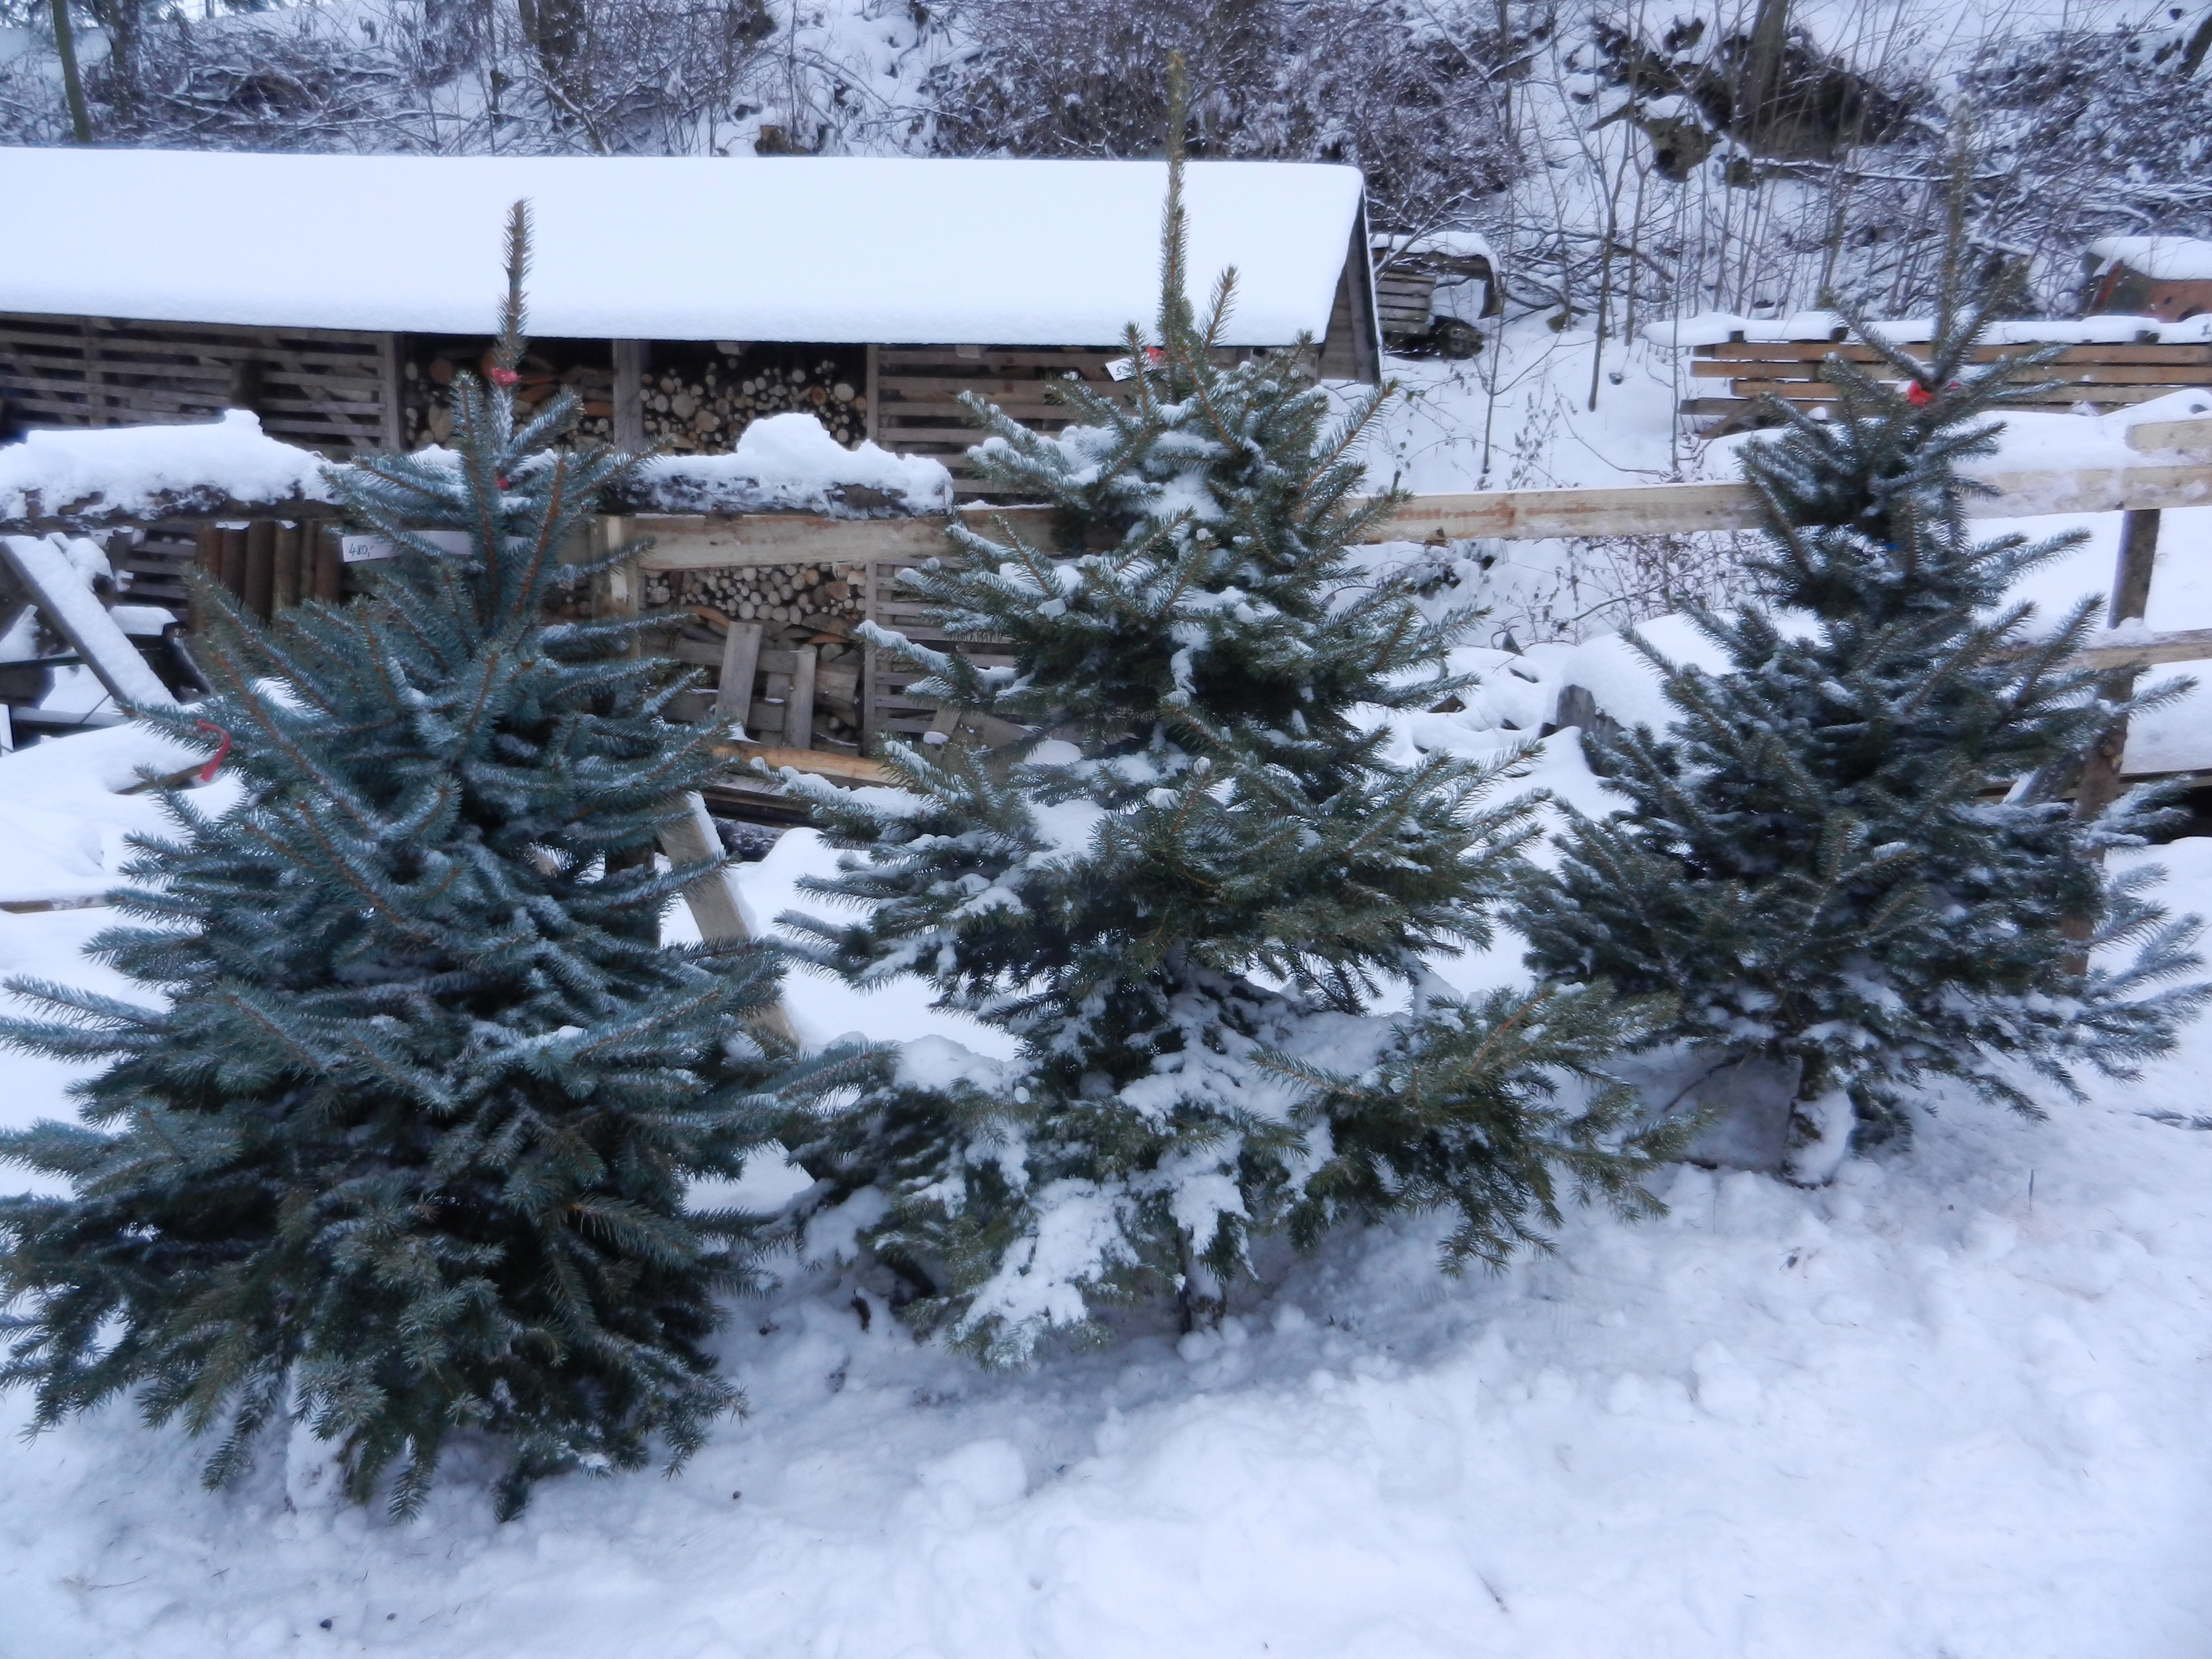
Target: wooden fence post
798, 708
260, 565
285, 581
2100, 772
232, 575
733, 697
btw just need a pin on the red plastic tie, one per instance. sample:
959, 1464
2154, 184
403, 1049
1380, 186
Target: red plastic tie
1918, 395
505, 377
207, 772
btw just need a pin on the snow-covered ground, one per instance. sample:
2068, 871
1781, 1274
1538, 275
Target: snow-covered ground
1950, 1407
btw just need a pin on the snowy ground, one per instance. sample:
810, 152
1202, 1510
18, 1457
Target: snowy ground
1951, 1408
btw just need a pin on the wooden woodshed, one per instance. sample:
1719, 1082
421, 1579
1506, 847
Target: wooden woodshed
2168, 277
336, 295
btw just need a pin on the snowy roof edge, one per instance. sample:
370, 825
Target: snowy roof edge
853, 250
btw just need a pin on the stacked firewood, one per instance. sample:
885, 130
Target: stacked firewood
429, 411
701, 407
765, 592
698, 397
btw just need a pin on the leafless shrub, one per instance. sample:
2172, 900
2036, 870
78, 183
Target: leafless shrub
1413, 92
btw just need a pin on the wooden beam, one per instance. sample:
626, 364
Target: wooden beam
44, 571
391, 393
631, 359
713, 901
686, 543
2191, 436
2181, 645
844, 768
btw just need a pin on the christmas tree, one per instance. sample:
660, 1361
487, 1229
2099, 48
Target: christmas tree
1845, 854
1184, 889
398, 1141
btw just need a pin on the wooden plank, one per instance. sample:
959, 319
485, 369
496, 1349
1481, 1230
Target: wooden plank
329, 560
2181, 645
233, 573
846, 769
871, 388
905, 359
2063, 394
284, 590
683, 542
1526, 514
208, 558
260, 566
712, 899
734, 696
798, 708
2171, 435
42, 571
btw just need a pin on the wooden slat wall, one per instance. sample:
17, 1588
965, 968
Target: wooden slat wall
888, 706
912, 400
326, 390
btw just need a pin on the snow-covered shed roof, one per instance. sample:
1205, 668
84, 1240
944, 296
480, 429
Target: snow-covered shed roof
2161, 258
885, 251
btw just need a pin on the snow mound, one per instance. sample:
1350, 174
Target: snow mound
790, 463
138, 471
783, 464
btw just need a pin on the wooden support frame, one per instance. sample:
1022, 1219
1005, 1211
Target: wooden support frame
631, 360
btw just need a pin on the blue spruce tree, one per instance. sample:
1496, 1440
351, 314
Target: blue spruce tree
397, 1144
1846, 854
1182, 890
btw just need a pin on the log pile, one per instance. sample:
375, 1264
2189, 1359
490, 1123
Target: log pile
429, 377
771, 593
701, 407
698, 396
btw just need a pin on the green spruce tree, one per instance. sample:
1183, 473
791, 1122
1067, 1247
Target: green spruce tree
1183, 891
397, 1141
1845, 854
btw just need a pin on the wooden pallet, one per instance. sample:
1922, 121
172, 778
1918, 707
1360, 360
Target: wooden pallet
1795, 372
328, 390
914, 395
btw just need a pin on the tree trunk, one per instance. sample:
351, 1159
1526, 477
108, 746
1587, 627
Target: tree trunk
72, 82
1756, 92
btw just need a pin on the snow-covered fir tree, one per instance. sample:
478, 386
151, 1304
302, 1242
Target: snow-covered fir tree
1846, 854
1184, 889
395, 1141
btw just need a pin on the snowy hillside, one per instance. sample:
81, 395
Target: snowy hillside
1951, 1407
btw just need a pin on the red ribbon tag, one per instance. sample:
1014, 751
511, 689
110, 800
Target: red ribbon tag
207, 772
1918, 395
505, 377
